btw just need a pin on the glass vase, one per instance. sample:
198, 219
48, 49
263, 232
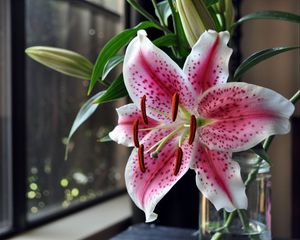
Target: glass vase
253, 223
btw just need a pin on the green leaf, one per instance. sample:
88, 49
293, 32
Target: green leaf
111, 64
116, 90
112, 48
166, 40
147, 15
87, 109
275, 15
261, 152
259, 57
165, 11
62, 60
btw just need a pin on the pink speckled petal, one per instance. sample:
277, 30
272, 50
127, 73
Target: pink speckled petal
122, 133
207, 65
244, 115
149, 71
219, 179
147, 189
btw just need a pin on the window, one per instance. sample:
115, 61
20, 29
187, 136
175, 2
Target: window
5, 122
45, 104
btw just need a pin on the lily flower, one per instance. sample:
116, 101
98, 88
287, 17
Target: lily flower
191, 118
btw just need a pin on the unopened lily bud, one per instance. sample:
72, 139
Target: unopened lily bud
224, 13
229, 14
195, 19
62, 60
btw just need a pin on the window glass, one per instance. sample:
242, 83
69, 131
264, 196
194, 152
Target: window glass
5, 119
112, 5
53, 100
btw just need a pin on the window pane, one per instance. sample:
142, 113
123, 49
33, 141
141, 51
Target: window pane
53, 100
5, 119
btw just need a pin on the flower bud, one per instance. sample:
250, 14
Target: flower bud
195, 19
229, 14
225, 13
62, 60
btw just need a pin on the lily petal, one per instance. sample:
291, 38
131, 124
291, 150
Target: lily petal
207, 64
122, 133
243, 115
149, 71
219, 178
147, 189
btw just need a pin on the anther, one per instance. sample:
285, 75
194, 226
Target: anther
193, 125
175, 103
141, 158
143, 109
135, 129
178, 163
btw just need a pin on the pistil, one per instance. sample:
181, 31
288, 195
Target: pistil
163, 141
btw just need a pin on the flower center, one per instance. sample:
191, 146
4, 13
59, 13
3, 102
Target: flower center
184, 126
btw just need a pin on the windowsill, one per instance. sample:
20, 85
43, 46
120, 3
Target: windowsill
84, 224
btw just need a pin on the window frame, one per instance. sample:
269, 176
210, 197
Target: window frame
17, 167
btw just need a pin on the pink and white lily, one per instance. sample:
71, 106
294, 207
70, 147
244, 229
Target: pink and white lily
191, 118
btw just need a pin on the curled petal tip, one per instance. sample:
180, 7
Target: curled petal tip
141, 34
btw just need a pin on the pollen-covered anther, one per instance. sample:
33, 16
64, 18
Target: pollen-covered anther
143, 109
135, 134
141, 158
175, 103
193, 126
178, 163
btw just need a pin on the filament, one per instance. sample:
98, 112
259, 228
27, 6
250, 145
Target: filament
163, 141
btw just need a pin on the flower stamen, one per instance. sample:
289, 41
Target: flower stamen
163, 142
178, 163
135, 129
141, 158
175, 104
193, 125
143, 109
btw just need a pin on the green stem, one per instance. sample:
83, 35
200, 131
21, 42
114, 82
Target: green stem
244, 218
296, 97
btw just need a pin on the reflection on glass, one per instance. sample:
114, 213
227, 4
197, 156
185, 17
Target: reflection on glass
5, 119
92, 169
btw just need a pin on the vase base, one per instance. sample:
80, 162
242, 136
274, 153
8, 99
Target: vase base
256, 231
